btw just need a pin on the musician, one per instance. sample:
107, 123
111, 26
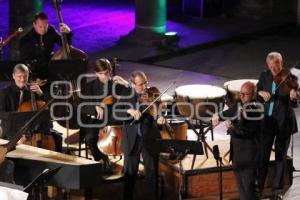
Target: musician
244, 129
279, 122
17, 93
100, 88
138, 138
37, 45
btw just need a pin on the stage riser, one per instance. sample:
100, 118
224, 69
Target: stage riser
203, 183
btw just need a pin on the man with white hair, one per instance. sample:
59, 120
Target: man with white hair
279, 122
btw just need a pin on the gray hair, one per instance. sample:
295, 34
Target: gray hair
20, 68
136, 73
274, 56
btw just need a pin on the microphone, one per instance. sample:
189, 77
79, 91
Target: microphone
216, 152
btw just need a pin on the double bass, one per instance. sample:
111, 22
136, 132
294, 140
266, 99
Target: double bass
67, 51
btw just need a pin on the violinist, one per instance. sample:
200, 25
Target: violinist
279, 121
37, 45
138, 138
14, 95
101, 88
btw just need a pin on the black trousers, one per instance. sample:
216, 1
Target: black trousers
281, 144
91, 138
131, 164
244, 160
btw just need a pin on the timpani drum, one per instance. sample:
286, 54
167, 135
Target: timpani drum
179, 130
233, 90
198, 101
166, 102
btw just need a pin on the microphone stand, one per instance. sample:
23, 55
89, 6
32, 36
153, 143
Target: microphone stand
218, 159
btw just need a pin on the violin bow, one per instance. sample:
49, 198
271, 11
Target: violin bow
155, 100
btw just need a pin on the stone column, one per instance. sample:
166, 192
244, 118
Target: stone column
21, 14
150, 22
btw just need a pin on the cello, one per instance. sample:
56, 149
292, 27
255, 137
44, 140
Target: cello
38, 139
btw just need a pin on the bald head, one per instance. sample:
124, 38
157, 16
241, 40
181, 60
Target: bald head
248, 92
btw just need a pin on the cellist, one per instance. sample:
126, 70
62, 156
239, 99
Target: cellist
15, 94
101, 92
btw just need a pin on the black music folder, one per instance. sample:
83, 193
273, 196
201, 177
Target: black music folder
16, 120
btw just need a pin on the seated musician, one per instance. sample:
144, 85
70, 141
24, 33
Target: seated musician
139, 137
14, 95
95, 115
37, 45
244, 129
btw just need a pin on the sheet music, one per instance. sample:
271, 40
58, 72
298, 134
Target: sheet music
12, 194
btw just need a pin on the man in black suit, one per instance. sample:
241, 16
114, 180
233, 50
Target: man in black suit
279, 122
245, 117
139, 137
98, 115
17, 93
37, 45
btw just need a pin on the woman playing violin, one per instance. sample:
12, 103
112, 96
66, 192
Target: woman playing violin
101, 92
279, 122
139, 137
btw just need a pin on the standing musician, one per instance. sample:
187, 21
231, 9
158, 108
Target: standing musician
138, 137
101, 89
279, 122
37, 45
244, 129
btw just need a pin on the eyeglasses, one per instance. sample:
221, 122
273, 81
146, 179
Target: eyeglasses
245, 94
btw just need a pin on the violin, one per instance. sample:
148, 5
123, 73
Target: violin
152, 99
286, 81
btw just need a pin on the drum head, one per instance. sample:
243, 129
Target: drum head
199, 101
200, 91
233, 90
235, 85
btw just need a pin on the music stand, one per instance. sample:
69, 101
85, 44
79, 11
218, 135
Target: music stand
67, 70
39, 182
15, 120
180, 148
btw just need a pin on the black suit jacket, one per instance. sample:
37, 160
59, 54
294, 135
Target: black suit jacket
283, 113
9, 103
9, 99
98, 90
149, 127
38, 56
